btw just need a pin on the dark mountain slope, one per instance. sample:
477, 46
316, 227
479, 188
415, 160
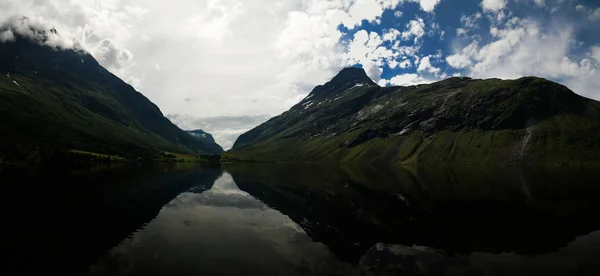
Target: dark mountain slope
64, 99
458, 120
204, 137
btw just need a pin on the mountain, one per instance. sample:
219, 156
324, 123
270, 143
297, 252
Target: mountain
459, 121
205, 137
53, 99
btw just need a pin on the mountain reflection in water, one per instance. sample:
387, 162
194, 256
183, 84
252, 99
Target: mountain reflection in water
307, 220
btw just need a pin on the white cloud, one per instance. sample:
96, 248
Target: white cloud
368, 10
112, 56
463, 58
393, 63
398, 13
405, 64
428, 5
493, 5
383, 82
414, 28
581, 8
468, 24
459, 61
425, 66
37, 30
595, 53
595, 15
391, 34
592, 14
276, 51
540, 3
527, 48
225, 129
7, 35
407, 79
217, 57
366, 49
470, 21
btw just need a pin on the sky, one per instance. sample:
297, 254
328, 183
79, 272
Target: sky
226, 66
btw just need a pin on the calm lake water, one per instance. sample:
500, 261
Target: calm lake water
184, 219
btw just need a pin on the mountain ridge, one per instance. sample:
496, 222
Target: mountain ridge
203, 136
465, 121
53, 98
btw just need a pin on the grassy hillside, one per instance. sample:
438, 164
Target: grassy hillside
64, 100
459, 121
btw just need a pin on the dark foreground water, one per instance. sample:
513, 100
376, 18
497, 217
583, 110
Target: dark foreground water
300, 220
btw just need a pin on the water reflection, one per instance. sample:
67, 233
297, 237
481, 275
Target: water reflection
59, 222
302, 220
452, 217
577, 258
223, 231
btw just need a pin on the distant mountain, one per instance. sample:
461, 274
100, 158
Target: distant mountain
206, 138
458, 120
63, 99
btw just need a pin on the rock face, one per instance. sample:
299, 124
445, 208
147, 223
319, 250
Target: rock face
206, 138
458, 120
63, 98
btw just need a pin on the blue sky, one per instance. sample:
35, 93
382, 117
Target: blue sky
227, 65
551, 34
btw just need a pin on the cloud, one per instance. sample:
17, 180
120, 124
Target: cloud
237, 58
81, 25
493, 5
7, 35
463, 58
595, 15
540, 3
249, 58
425, 66
470, 22
595, 53
366, 49
36, 30
288, 47
428, 5
525, 47
368, 10
111, 55
405, 64
414, 28
592, 14
391, 34
405, 80
225, 129
459, 61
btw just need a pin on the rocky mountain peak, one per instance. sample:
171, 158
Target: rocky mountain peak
351, 76
348, 78
202, 135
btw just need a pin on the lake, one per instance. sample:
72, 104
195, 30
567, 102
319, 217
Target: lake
289, 219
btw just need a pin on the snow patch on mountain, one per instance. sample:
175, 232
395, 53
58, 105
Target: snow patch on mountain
14, 81
201, 135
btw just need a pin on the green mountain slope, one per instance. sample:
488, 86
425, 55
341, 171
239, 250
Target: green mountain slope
457, 121
62, 99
